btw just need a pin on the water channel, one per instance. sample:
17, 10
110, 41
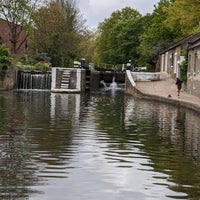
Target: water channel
96, 146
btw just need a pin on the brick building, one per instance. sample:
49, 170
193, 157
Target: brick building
5, 37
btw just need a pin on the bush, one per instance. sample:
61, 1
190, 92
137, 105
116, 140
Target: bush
5, 57
183, 71
42, 57
43, 66
5, 60
39, 62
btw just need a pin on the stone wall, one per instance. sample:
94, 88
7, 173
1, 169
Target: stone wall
145, 76
193, 73
193, 85
94, 80
8, 80
130, 85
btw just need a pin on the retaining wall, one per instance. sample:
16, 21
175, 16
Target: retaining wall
8, 80
130, 88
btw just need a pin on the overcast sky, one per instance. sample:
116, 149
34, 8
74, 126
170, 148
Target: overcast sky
95, 11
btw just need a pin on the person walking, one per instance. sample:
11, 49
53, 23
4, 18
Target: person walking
179, 85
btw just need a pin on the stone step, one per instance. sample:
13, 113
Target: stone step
65, 86
65, 79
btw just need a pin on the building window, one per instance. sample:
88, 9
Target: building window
195, 62
189, 63
172, 60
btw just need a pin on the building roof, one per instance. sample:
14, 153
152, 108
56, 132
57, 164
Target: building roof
189, 39
194, 44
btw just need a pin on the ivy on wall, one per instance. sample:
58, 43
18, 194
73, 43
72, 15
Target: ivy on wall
5, 60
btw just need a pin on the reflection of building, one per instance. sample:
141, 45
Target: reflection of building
192, 136
179, 127
65, 107
163, 117
5, 37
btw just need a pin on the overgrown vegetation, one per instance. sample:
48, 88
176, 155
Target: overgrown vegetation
19, 16
5, 59
142, 38
183, 71
59, 32
40, 62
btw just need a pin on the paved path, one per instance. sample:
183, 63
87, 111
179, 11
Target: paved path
166, 86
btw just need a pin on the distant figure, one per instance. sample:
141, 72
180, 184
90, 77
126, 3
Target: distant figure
128, 65
179, 85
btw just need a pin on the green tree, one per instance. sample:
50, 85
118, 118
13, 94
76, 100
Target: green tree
156, 36
125, 41
19, 15
185, 15
5, 59
88, 44
57, 31
108, 29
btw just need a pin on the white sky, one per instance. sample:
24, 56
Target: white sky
95, 11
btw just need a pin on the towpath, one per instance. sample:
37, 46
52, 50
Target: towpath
165, 89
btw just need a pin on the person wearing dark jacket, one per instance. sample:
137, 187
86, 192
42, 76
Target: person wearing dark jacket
179, 85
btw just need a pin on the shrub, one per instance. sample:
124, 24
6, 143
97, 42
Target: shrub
183, 71
5, 60
183, 67
5, 57
42, 57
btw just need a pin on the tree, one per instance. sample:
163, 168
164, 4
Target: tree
5, 59
183, 14
125, 41
88, 44
19, 15
156, 36
57, 31
108, 29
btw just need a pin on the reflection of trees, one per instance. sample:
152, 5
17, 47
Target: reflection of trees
14, 175
36, 137
50, 134
14, 159
163, 131
192, 141
111, 110
33, 139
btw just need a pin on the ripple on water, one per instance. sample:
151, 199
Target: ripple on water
96, 146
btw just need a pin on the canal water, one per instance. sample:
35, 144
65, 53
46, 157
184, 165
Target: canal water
96, 146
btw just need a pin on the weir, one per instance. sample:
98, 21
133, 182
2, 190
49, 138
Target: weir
69, 80
113, 85
34, 80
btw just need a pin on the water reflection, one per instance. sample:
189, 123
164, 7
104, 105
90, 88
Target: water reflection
170, 144
100, 145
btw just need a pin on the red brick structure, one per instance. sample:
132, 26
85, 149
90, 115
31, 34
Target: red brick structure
5, 38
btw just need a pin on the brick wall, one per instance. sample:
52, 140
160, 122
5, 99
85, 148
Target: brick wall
5, 37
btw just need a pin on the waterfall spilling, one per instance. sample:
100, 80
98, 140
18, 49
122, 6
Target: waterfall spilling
113, 85
34, 80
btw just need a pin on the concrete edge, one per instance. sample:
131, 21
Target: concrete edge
171, 101
132, 90
65, 91
130, 78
